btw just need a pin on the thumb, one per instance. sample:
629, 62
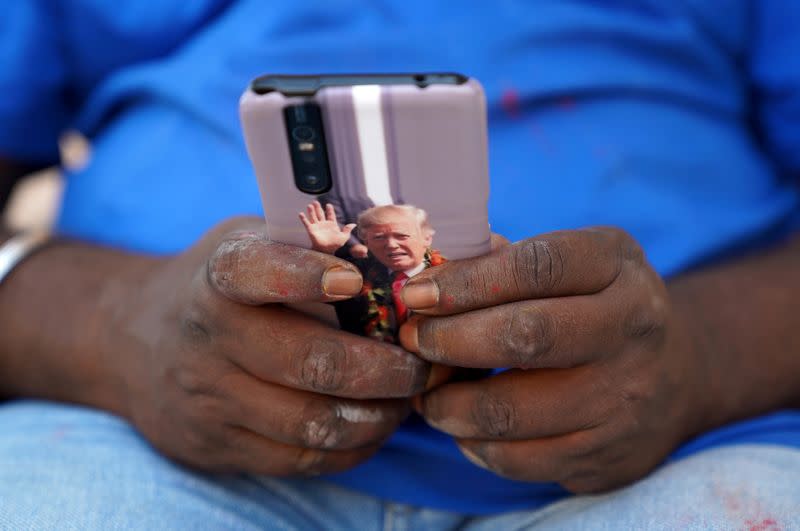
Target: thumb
249, 268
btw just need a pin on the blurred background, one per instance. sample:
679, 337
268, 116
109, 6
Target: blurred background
34, 203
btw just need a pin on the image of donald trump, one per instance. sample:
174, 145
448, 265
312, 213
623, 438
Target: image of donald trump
398, 240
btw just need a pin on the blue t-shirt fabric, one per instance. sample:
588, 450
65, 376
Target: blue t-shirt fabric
677, 120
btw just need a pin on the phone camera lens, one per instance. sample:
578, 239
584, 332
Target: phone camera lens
303, 133
312, 180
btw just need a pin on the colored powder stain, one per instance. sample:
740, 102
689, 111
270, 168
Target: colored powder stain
768, 524
509, 101
495, 288
284, 292
449, 301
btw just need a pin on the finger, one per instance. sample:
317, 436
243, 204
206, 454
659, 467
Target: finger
304, 220
302, 418
330, 213
285, 347
319, 211
255, 454
347, 229
251, 269
582, 462
552, 459
312, 213
556, 333
554, 265
517, 405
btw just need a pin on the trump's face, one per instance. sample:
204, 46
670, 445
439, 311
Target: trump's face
398, 242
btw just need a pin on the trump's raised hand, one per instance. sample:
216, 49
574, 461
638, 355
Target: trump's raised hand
323, 228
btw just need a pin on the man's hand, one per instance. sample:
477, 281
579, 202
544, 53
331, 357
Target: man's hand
323, 228
601, 383
219, 375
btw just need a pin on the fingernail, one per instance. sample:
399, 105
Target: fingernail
420, 294
340, 281
473, 457
439, 374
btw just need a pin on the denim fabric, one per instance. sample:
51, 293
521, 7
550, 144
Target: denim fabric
66, 467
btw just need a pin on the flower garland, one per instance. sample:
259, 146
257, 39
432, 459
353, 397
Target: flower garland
380, 324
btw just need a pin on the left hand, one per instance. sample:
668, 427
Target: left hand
602, 384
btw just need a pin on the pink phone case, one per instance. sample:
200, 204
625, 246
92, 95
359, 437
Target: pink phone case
387, 144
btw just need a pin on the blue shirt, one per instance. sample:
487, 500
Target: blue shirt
677, 120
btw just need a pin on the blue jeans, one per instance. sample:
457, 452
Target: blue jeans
66, 467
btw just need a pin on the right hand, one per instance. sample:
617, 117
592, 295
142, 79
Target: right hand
323, 228
219, 375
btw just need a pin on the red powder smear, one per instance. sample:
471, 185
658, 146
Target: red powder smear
509, 101
449, 301
495, 288
284, 292
566, 103
768, 524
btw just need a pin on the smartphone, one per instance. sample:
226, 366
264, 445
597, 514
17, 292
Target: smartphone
387, 171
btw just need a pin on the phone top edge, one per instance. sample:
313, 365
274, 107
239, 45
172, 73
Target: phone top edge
308, 85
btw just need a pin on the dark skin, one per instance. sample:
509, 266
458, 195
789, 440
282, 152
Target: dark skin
198, 352
613, 368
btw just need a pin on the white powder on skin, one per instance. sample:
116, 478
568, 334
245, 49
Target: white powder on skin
359, 414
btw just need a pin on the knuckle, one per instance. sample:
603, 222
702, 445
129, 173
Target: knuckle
322, 365
529, 336
626, 245
195, 330
538, 263
493, 415
620, 247
324, 427
647, 321
198, 321
230, 266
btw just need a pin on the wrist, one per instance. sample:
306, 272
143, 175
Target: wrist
700, 405
123, 335
52, 321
